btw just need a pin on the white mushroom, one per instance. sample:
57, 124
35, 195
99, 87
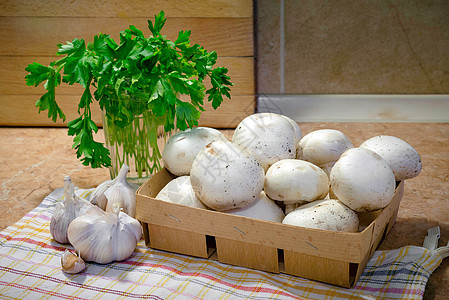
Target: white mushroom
225, 176
402, 158
298, 133
362, 180
269, 137
295, 181
323, 147
324, 214
181, 149
263, 208
180, 191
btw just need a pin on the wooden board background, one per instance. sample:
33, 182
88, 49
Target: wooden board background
30, 31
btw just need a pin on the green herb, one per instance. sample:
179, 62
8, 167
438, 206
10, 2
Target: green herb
139, 76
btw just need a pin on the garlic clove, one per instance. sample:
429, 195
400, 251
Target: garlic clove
59, 224
125, 196
72, 263
97, 197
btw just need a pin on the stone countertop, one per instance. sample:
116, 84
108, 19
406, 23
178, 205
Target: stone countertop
34, 161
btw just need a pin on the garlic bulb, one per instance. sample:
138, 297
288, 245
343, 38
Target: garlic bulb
72, 263
66, 211
104, 237
117, 190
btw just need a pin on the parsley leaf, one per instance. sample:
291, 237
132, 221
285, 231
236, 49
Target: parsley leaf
186, 115
158, 24
37, 73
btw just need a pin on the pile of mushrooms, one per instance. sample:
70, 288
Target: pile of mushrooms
269, 171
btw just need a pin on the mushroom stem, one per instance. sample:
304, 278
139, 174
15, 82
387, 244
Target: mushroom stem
289, 207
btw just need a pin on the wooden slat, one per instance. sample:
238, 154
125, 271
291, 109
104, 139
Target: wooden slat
387, 216
127, 8
20, 110
247, 255
317, 268
174, 240
230, 113
29, 36
12, 75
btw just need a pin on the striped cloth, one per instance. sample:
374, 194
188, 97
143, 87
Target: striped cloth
30, 269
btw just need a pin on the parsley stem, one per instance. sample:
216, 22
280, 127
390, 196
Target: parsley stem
137, 144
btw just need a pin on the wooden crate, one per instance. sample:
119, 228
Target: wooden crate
332, 257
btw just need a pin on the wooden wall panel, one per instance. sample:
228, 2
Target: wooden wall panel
21, 36
120, 8
12, 75
20, 110
30, 31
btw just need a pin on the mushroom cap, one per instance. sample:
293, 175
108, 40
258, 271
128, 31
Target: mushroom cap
181, 148
402, 158
298, 133
323, 147
327, 214
294, 180
225, 176
179, 190
362, 180
263, 208
267, 136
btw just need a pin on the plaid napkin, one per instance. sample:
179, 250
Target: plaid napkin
30, 269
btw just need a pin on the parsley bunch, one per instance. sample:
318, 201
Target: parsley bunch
139, 75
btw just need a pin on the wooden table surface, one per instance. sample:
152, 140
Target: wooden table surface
35, 160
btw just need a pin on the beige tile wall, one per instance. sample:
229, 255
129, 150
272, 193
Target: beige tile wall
353, 47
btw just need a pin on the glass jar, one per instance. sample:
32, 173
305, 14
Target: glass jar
139, 144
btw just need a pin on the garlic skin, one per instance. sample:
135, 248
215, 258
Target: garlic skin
66, 211
104, 237
116, 190
72, 263
97, 197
